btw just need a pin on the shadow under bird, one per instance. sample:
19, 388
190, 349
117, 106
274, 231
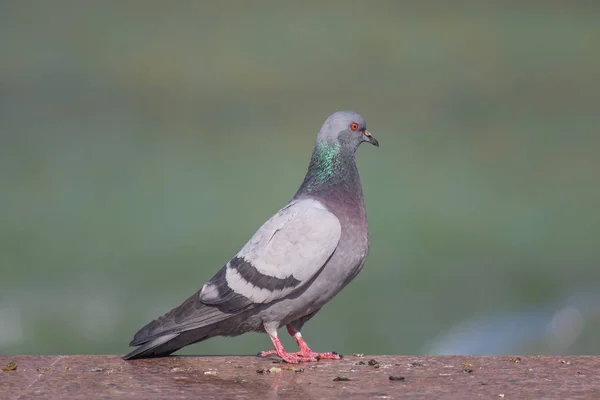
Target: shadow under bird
294, 264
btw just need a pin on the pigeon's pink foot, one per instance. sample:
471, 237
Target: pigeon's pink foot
292, 358
295, 358
267, 353
304, 355
307, 352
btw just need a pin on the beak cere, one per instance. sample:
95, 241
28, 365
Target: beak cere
371, 139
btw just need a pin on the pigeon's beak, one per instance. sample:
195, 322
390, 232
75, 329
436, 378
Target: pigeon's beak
371, 139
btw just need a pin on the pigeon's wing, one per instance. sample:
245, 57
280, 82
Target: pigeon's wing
281, 257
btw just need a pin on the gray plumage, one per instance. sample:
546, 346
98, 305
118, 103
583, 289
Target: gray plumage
294, 264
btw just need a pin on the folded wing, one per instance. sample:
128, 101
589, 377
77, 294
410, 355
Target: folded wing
281, 257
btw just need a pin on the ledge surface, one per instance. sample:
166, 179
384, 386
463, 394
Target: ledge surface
236, 377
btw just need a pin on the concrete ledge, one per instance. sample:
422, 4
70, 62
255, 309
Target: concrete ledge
236, 377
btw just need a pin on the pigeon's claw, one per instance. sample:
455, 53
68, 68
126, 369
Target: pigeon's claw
292, 358
307, 352
295, 358
299, 356
304, 355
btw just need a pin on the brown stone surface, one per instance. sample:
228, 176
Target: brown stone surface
439, 377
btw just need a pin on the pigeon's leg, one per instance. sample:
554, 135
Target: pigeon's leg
306, 351
292, 358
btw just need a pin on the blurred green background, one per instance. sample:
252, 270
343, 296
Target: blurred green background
143, 142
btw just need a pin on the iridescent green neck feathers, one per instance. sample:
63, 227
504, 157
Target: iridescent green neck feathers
329, 167
326, 161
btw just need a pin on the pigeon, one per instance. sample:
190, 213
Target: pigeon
291, 267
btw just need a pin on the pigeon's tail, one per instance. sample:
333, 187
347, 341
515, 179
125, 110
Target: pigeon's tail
165, 345
189, 323
161, 346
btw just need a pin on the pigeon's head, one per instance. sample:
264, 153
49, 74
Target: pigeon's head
347, 128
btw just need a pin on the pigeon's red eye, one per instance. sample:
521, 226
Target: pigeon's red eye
354, 126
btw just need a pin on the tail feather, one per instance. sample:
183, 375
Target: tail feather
169, 324
165, 345
161, 346
191, 314
189, 323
